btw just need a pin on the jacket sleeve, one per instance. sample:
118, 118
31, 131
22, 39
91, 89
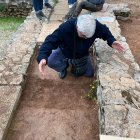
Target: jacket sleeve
104, 33
51, 42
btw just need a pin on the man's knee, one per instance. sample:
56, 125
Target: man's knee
53, 59
89, 74
51, 63
82, 4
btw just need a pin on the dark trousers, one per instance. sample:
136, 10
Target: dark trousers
38, 5
77, 8
71, 1
59, 62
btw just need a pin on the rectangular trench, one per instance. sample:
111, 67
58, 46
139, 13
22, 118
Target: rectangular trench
54, 109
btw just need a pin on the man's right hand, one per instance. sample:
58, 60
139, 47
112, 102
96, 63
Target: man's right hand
41, 67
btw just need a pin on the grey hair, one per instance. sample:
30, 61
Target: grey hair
87, 25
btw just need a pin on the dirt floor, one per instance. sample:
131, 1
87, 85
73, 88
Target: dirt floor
54, 109
131, 28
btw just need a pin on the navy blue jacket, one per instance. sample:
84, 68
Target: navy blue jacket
66, 38
97, 2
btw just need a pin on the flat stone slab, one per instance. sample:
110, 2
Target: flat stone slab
105, 137
16, 60
18, 52
47, 29
60, 12
61, 7
9, 97
4, 35
56, 18
62, 4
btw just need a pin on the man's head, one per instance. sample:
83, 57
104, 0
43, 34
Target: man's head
86, 26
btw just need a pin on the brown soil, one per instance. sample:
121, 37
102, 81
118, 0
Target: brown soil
54, 109
131, 28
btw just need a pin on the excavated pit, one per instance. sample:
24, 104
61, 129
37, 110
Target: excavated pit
54, 109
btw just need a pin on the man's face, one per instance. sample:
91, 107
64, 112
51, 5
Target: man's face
81, 35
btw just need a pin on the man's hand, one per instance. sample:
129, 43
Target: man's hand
118, 46
41, 67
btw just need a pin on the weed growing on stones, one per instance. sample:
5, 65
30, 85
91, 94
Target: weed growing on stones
92, 94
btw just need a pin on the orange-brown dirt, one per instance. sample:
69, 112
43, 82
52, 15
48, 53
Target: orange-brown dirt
54, 109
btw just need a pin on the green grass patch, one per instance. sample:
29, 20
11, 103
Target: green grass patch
10, 23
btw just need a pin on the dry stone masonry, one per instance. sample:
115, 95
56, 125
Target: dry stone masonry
15, 57
17, 9
119, 88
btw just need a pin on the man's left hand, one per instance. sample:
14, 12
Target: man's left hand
118, 46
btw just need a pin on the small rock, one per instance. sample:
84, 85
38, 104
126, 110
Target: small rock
137, 77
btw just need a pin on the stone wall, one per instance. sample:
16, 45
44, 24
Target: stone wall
16, 8
17, 1
15, 57
119, 82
